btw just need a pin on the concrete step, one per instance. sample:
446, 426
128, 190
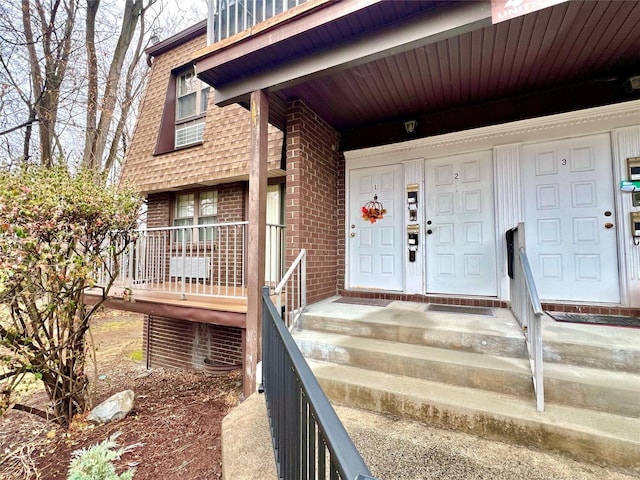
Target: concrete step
409, 323
594, 346
592, 388
499, 374
581, 387
585, 435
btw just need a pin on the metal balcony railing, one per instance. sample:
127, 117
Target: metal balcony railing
193, 260
228, 17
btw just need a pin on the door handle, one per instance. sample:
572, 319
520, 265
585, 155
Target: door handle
429, 232
353, 234
608, 225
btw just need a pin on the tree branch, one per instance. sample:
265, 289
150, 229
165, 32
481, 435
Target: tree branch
33, 410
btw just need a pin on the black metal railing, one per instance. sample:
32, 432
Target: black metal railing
309, 440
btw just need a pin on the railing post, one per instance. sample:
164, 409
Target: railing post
184, 265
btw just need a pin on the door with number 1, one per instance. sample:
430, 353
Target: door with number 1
376, 249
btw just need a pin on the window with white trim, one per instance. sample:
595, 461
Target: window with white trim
192, 96
198, 208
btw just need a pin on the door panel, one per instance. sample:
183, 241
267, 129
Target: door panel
376, 249
461, 254
568, 188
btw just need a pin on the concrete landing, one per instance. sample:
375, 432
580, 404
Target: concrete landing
400, 449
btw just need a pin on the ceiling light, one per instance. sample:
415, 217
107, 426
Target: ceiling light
410, 126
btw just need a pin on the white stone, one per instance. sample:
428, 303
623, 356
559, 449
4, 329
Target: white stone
113, 408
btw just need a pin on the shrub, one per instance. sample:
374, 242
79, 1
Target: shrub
96, 462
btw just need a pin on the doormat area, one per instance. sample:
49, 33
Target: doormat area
437, 307
372, 302
614, 320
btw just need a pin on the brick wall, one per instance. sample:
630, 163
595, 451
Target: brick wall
183, 344
231, 202
159, 209
312, 217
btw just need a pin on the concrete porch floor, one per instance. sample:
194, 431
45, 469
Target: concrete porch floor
397, 448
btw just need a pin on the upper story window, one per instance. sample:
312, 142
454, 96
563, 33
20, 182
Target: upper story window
192, 96
198, 208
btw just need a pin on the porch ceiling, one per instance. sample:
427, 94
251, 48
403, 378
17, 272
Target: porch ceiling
360, 71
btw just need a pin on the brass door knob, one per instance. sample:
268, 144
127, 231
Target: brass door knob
608, 225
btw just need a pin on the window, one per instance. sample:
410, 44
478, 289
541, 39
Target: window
192, 97
199, 208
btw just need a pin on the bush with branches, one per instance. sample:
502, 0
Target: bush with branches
56, 231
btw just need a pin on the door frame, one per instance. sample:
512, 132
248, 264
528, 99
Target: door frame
619, 120
347, 230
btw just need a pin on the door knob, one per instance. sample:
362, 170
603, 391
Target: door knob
353, 234
608, 225
429, 232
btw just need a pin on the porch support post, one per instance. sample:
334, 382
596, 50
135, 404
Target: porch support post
255, 253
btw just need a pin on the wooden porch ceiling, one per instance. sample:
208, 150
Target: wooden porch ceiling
572, 55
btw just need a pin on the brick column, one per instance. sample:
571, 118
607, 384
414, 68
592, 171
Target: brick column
312, 207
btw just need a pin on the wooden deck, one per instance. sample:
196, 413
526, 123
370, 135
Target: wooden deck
215, 309
220, 310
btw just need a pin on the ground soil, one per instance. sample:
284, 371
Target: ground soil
174, 428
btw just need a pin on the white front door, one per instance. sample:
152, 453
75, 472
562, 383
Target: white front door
569, 219
460, 237
376, 249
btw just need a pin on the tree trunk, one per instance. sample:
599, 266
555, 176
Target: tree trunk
95, 146
56, 47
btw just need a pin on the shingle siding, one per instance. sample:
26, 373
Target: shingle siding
223, 154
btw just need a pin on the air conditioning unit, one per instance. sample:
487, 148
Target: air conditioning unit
632, 84
190, 267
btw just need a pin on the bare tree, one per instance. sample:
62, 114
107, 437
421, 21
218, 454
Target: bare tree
70, 78
98, 128
48, 66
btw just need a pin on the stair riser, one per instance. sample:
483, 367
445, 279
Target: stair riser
615, 359
579, 445
603, 399
453, 340
511, 383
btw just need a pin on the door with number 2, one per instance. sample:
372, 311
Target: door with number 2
460, 237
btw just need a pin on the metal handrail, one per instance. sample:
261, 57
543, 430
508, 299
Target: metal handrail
296, 292
526, 307
305, 428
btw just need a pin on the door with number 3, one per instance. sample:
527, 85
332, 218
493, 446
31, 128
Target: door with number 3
569, 219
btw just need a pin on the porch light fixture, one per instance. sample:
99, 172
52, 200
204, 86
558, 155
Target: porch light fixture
410, 126
632, 84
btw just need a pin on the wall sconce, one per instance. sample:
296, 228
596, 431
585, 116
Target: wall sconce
410, 126
631, 85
